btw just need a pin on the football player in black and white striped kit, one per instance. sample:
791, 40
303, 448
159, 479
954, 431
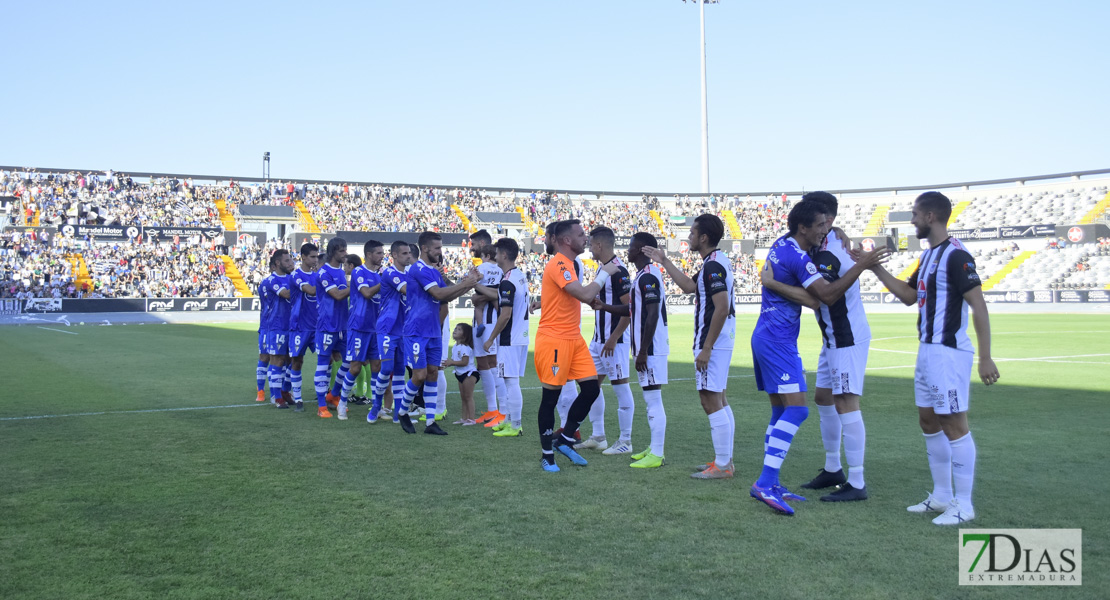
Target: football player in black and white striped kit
944, 285
609, 348
714, 335
846, 337
485, 302
647, 312
510, 334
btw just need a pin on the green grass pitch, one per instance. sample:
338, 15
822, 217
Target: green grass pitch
141, 501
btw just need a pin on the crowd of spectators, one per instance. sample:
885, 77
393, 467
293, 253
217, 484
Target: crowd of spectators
33, 266
156, 270
109, 198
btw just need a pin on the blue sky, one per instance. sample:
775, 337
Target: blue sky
562, 95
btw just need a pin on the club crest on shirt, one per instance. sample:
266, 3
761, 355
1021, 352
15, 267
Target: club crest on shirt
554, 370
566, 275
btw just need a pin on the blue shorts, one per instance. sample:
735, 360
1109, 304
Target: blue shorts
300, 342
328, 342
262, 341
423, 351
778, 367
277, 343
362, 346
389, 350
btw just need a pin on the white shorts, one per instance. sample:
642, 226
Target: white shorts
480, 343
841, 369
614, 367
656, 373
942, 379
511, 361
715, 377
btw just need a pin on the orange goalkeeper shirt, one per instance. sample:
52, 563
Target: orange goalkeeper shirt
560, 313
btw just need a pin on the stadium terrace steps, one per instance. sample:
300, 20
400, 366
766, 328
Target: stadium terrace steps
877, 220
956, 210
226, 218
35, 219
1096, 212
529, 224
462, 217
80, 270
590, 263
232, 271
1014, 263
659, 221
905, 274
733, 225
304, 218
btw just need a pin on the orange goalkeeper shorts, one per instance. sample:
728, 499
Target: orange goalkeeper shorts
559, 361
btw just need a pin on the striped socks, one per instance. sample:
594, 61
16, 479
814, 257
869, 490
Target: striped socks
779, 443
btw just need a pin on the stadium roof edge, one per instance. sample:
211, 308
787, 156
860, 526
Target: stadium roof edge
877, 190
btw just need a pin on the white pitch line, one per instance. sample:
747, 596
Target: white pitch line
59, 330
156, 410
913, 337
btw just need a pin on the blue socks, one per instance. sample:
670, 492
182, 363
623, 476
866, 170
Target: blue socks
776, 414
320, 379
779, 443
431, 394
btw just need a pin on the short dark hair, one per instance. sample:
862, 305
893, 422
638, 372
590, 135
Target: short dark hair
604, 235
936, 203
549, 237
509, 247
397, 245
804, 213
644, 238
825, 199
427, 238
370, 246
562, 227
336, 244
710, 226
487, 251
415, 250
481, 236
309, 247
354, 260
276, 256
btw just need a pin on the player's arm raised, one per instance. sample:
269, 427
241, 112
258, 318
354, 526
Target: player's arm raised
829, 293
449, 293
681, 279
902, 290
586, 293
793, 293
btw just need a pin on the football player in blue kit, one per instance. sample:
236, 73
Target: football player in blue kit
362, 345
778, 367
331, 324
276, 287
423, 344
302, 317
389, 328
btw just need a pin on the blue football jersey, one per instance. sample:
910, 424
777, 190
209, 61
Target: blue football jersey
422, 316
364, 311
267, 307
303, 315
391, 309
331, 314
779, 318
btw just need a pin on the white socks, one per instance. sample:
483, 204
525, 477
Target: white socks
720, 431
940, 464
657, 419
515, 401
830, 436
442, 390
855, 439
597, 415
502, 393
489, 388
626, 408
963, 468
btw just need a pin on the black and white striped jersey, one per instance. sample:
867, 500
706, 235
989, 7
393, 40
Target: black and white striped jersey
649, 296
843, 323
943, 275
615, 288
513, 293
491, 278
714, 277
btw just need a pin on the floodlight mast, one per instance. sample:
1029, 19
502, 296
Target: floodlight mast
704, 103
